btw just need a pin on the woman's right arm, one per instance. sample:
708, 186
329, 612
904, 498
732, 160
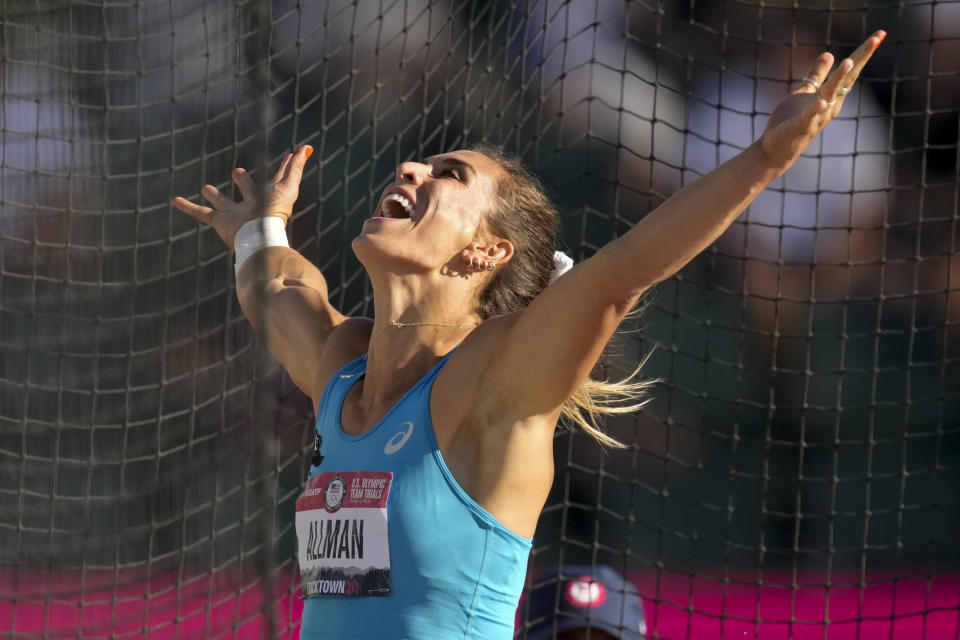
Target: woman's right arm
285, 299
282, 294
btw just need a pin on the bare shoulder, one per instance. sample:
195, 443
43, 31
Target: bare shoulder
457, 386
347, 341
474, 352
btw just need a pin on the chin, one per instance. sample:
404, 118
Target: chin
361, 247
376, 252
369, 243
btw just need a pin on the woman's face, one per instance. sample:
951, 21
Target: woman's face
432, 212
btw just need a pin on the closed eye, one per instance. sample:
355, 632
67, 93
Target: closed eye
452, 173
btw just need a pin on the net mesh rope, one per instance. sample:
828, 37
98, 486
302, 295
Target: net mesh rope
796, 470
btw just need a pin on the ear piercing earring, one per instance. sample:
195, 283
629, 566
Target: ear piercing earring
480, 264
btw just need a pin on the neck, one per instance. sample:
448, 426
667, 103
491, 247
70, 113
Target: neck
433, 318
425, 300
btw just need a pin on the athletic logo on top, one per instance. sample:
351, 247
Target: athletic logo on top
333, 496
399, 439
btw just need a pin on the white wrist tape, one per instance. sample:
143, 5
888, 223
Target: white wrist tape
258, 234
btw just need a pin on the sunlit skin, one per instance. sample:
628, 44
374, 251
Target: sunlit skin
411, 259
496, 402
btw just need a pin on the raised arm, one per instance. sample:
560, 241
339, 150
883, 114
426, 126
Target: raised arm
282, 294
553, 344
686, 224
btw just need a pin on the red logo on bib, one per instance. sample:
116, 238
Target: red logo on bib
586, 592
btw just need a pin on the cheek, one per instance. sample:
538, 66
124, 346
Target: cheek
462, 221
472, 218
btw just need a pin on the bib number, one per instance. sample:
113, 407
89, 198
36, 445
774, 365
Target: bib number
342, 541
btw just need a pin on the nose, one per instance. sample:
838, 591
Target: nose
412, 172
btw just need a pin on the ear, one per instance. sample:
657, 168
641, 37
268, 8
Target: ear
497, 251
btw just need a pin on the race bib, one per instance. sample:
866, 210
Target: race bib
342, 534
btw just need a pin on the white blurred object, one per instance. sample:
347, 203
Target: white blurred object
561, 264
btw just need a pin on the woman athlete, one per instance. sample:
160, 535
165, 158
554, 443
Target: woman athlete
437, 417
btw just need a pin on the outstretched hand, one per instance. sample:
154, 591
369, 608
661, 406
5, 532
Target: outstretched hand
801, 116
227, 216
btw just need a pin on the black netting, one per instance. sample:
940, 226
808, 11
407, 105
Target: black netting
796, 473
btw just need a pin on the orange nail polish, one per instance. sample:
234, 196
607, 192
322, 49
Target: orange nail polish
309, 151
882, 35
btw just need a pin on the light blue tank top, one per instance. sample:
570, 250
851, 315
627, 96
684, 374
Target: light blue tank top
455, 572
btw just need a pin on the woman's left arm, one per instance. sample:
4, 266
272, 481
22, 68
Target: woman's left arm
689, 222
553, 344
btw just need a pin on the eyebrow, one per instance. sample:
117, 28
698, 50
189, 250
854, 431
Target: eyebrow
454, 161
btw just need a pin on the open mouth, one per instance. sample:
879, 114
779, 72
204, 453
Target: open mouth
396, 205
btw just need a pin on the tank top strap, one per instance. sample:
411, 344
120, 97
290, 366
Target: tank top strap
337, 388
427, 380
342, 380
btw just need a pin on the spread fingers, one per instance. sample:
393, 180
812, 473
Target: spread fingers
195, 211
838, 85
812, 82
244, 182
215, 197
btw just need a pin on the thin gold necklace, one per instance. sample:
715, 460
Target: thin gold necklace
401, 325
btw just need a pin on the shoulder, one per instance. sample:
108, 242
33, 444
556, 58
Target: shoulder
459, 384
476, 349
347, 341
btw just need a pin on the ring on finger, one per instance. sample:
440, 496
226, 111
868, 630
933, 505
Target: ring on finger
811, 81
843, 91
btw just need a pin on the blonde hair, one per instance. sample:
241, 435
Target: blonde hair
524, 215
